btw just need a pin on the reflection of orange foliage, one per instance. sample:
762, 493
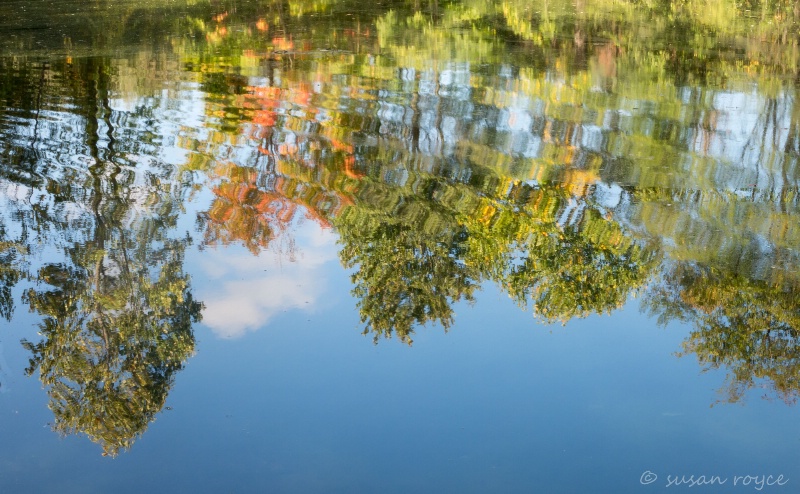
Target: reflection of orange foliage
287, 149
220, 17
349, 167
255, 206
341, 146
262, 25
265, 103
267, 99
302, 94
219, 33
283, 44
243, 212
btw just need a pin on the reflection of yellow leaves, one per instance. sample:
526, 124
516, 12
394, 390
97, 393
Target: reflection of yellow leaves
577, 182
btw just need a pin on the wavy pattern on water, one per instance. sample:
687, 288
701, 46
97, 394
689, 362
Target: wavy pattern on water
573, 157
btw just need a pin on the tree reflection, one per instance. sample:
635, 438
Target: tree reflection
404, 276
117, 311
572, 154
746, 326
479, 142
588, 268
117, 326
11, 270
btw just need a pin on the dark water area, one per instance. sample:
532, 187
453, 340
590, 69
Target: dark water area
407, 246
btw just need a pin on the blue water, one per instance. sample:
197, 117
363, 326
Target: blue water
254, 146
499, 403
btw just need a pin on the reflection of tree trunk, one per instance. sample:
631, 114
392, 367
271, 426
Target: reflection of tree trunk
415, 116
38, 106
770, 111
282, 7
438, 109
789, 147
93, 108
92, 140
103, 85
98, 269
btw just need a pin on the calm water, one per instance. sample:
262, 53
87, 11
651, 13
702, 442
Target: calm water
476, 246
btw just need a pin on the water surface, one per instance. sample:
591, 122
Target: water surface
413, 246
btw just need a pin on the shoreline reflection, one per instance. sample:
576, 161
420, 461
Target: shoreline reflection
575, 158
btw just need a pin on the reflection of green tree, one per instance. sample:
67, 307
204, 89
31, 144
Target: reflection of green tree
428, 244
579, 270
746, 326
115, 331
10, 274
585, 62
404, 276
117, 323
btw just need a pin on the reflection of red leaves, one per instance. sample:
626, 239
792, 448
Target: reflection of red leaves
265, 117
265, 101
269, 94
256, 206
341, 146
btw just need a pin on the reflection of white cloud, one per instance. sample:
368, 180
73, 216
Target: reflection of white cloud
246, 291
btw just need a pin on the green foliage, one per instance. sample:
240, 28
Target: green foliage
111, 344
450, 143
10, 273
403, 277
570, 272
117, 311
747, 326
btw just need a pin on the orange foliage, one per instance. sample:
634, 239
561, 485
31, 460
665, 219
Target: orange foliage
282, 44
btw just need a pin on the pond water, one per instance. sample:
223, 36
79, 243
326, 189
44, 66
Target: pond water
407, 246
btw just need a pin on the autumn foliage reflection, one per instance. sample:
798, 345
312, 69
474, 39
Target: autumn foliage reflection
570, 170
569, 161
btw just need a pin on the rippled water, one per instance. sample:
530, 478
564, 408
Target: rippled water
470, 246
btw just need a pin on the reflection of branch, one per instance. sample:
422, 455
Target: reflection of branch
748, 328
38, 107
